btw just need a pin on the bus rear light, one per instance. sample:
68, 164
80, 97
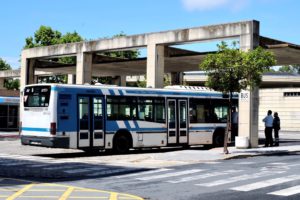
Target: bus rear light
53, 128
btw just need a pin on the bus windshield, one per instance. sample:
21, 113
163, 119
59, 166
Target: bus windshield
37, 96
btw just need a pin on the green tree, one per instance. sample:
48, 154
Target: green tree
9, 84
231, 70
46, 36
12, 84
4, 65
128, 54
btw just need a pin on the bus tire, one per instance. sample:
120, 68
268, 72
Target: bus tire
218, 138
122, 143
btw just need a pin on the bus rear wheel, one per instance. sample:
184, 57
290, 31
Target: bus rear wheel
218, 139
121, 144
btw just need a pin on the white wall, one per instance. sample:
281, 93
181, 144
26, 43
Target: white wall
288, 107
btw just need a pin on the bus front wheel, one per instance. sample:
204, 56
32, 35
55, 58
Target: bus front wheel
121, 144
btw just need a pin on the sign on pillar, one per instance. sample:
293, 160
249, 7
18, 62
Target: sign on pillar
248, 116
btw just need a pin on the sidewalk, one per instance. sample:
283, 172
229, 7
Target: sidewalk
155, 159
9, 135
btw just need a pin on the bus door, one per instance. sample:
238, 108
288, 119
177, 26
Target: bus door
177, 121
90, 120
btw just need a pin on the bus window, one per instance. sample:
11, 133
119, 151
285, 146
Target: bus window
121, 108
37, 96
221, 112
145, 109
160, 113
198, 111
97, 104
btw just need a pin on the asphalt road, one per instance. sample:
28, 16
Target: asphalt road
40, 173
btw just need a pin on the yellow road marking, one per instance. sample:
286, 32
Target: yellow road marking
67, 193
40, 197
113, 196
60, 188
88, 197
17, 194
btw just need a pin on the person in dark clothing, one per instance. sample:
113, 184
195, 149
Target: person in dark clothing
268, 129
276, 127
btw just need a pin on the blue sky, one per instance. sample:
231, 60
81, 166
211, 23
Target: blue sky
93, 19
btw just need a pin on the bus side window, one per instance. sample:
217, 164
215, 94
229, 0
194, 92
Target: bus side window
197, 111
145, 109
121, 108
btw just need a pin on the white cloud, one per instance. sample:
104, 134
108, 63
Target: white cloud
192, 5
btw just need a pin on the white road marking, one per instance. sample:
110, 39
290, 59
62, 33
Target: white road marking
293, 165
203, 176
266, 183
167, 175
245, 163
239, 178
278, 163
287, 192
144, 173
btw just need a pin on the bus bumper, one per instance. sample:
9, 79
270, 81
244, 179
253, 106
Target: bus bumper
54, 142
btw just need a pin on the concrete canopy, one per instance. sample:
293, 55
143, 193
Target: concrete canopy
176, 60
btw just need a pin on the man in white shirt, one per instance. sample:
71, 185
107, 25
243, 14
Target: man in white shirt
268, 129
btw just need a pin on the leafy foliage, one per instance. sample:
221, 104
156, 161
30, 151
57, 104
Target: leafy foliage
129, 54
231, 70
9, 84
46, 36
4, 65
12, 84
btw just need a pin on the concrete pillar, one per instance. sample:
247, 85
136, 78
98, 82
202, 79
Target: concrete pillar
176, 78
249, 99
84, 68
155, 66
120, 81
71, 79
2, 83
27, 71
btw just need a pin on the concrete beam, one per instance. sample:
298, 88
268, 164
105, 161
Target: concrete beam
204, 33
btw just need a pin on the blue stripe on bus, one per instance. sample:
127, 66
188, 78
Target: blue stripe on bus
112, 92
121, 92
201, 128
127, 125
36, 129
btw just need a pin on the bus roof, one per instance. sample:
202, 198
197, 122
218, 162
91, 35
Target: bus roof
188, 91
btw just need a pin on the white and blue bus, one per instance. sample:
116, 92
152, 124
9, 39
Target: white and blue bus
120, 118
